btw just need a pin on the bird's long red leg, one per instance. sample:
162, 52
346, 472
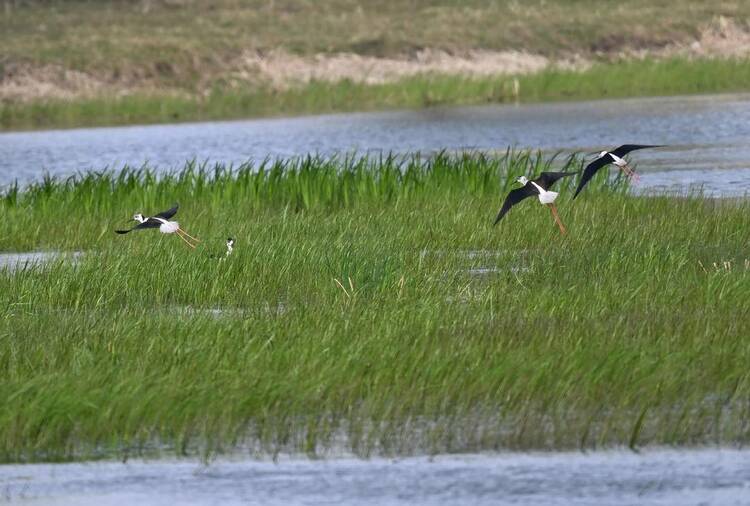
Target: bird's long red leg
556, 216
184, 235
190, 236
635, 178
186, 241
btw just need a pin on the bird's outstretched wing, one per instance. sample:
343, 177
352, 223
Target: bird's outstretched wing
149, 223
547, 179
513, 198
590, 170
627, 148
168, 213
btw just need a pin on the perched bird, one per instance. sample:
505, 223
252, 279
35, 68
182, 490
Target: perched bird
161, 221
539, 187
607, 157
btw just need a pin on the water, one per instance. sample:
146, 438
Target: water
19, 261
656, 477
708, 138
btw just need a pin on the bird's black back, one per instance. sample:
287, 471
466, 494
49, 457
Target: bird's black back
547, 179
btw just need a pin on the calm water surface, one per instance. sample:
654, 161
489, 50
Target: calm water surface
708, 138
662, 477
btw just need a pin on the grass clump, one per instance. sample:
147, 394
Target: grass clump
370, 306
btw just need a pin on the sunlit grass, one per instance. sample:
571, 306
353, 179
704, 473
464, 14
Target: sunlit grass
354, 314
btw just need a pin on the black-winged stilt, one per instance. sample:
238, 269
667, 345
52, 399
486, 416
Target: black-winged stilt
539, 187
616, 157
230, 248
161, 221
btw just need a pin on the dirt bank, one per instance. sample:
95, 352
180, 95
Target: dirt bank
278, 69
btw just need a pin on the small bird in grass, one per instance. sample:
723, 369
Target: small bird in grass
230, 248
616, 157
539, 187
161, 221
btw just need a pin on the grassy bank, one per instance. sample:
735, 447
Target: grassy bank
174, 42
370, 306
634, 78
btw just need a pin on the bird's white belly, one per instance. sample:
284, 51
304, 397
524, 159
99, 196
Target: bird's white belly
169, 227
546, 197
618, 161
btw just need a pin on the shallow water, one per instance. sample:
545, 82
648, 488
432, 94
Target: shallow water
24, 260
707, 137
654, 477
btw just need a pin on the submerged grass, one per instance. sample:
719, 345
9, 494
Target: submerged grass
353, 316
605, 80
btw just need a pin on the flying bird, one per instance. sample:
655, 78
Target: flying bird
607, 157
163, 223
539, 187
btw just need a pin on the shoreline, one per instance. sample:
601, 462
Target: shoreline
629, 79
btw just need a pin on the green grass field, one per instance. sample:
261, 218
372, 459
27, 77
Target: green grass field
370, 306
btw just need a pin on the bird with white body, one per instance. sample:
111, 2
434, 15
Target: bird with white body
164, 224
539, 187
615, 157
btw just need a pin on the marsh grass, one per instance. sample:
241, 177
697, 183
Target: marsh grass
604, 80
617, 334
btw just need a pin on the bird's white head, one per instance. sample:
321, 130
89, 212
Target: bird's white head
139, 218
522, 180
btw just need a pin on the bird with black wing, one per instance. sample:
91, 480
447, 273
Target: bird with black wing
615, 157
539, 187
163, 223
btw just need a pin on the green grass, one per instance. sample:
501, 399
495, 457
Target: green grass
352, 318
633, 78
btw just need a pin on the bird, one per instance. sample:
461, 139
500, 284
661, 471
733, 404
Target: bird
162, 222
540, 187
230, 248
616, 157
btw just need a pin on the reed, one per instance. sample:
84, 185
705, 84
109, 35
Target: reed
371, 307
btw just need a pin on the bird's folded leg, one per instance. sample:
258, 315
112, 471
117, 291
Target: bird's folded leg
556, 216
